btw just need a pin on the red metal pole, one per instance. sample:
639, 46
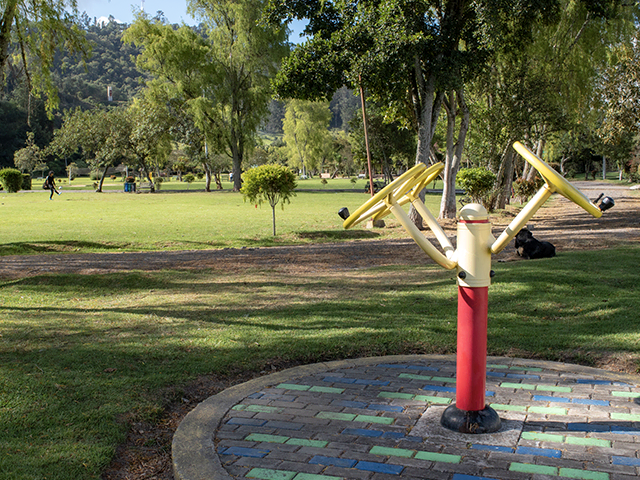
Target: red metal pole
471, 368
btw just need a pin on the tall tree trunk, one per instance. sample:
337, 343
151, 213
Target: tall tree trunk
104, 174
427, 104
207, 176
455, 146
236, 157
539, 149
504, 179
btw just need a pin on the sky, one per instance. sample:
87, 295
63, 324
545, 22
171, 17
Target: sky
175, 11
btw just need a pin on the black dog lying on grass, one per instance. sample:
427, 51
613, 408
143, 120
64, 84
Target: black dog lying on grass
529, 247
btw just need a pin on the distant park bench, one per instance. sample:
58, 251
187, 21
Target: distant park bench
145, 187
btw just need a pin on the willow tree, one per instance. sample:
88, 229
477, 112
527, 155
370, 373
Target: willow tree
222, 77
30, 34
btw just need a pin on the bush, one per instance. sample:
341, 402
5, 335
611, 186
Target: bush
523, 189
11, 179
26, 181
477, 183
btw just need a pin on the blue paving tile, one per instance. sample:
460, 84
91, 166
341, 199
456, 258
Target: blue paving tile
489, 393
407, 367
380, 467
523, 376
362, 432
437, 388
495, 374
412, 438
386, 408
394, 435
364, 381
588, 427
221, 449
629, 461
492, 448
339, 380
284, 425
547, 398
245, 452
623, 430
333, 461
349, 404
586, 401
541, 452
462, 476
589, 381
254, 422
255, 396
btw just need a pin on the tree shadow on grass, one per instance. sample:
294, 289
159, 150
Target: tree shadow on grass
26, 248
334, 235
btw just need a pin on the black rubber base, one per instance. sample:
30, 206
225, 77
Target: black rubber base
474, 422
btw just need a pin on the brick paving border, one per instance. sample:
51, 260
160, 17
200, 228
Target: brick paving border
378, 418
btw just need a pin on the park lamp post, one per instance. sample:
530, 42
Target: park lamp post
472, 261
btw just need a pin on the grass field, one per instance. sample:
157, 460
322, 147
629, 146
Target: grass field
84, 356
84, 221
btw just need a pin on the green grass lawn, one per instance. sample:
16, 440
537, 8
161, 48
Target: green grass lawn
84, 221
82, 356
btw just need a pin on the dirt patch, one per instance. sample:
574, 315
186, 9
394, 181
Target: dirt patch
146, 454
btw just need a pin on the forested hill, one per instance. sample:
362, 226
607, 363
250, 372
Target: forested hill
79, 85
110, 65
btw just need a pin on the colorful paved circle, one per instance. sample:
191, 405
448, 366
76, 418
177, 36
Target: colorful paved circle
379, 418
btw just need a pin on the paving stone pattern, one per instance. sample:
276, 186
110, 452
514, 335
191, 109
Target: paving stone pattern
364, 422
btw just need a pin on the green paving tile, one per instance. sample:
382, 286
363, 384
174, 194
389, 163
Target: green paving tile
349, 417
239, 407
374, 419
312, 476
625, 394
404, 396
530, 468
592, 442
438, 457
263, 409
630, 417
443, 379
514, 408
326, 389
293, 386
548, 410
432, 399
414, 377
497, 366
583, 474
303, 442
522, 386
527, 369
392, 452
267, 474
542, 437
553, 388
263, 437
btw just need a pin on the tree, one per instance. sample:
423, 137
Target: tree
273, 183
102, 136
223, 79
28, 158
305, 133
31, 33
415, 57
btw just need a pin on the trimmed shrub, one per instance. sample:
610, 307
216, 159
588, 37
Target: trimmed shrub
26, 181
477, 183
11, 179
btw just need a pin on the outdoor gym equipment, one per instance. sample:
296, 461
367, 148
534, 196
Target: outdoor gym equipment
472, 259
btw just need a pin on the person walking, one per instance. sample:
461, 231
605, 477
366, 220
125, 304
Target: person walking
50, 183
